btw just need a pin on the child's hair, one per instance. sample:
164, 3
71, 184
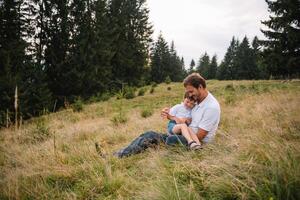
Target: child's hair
187, 96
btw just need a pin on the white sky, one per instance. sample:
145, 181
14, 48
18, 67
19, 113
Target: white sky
197, 26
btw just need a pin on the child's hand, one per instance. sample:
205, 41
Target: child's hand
165, 113
188, 120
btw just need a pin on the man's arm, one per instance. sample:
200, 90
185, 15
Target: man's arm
201, 134
208, 122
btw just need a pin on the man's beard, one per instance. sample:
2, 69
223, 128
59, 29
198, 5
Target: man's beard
195, 97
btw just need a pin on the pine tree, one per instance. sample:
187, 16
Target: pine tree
245, 62
203, 65
192, 65
160, 57
212, 70
282, 53
17, 66
184, 72
132, 31
57, 30
103, 55
262, 69
84, 58
177, 70
226, 70
12, 52
35, 96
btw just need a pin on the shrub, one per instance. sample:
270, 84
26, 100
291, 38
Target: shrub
40, 132
168, 80
242, 87
119, 119
152, 90
169, 88
146, 113
142, 91
229, 87
104, 96
129, 93
78, 105
153, 84
100, 97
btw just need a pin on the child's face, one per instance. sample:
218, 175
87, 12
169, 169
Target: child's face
189, 103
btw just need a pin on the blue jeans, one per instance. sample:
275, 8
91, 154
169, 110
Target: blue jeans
150, 139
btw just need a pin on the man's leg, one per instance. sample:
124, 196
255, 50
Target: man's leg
141, 143
173, 140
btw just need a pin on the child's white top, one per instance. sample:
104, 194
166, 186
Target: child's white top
181, 111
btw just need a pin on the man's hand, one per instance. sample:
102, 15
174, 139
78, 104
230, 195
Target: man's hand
178, 120
165, 113
201, 134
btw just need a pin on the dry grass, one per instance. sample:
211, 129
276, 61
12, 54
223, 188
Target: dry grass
256, 154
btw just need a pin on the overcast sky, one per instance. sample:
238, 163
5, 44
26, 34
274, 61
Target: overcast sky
197, 26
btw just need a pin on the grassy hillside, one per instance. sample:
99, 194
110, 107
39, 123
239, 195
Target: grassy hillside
256, 154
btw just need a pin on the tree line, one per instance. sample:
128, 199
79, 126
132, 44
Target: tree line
241, 61
55, 51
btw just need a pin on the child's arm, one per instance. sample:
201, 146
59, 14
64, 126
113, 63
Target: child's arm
177, 119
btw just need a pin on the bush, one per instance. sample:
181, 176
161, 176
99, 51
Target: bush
146, 113
153, 84
169, 88
229, 87
129, 93
104, 96
100, 97
40, 132
168, 80
78, 105
152, 90
119, 119
142, 91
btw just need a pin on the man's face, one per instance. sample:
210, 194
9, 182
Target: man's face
196, 93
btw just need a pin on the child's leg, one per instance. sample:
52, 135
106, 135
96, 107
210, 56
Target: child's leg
183, 129
193, 136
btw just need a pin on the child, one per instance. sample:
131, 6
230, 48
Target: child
180, 116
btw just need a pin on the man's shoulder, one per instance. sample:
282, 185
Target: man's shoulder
212, 103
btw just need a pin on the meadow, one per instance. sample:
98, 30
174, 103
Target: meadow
256, 153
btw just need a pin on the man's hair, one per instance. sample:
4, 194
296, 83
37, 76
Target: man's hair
195, 80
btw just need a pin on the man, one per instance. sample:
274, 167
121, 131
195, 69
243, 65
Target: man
205, 121
205, 115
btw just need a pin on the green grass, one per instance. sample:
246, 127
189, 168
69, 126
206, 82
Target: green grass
256, 153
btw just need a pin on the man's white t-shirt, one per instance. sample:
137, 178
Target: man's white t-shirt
206, 115
181, 111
